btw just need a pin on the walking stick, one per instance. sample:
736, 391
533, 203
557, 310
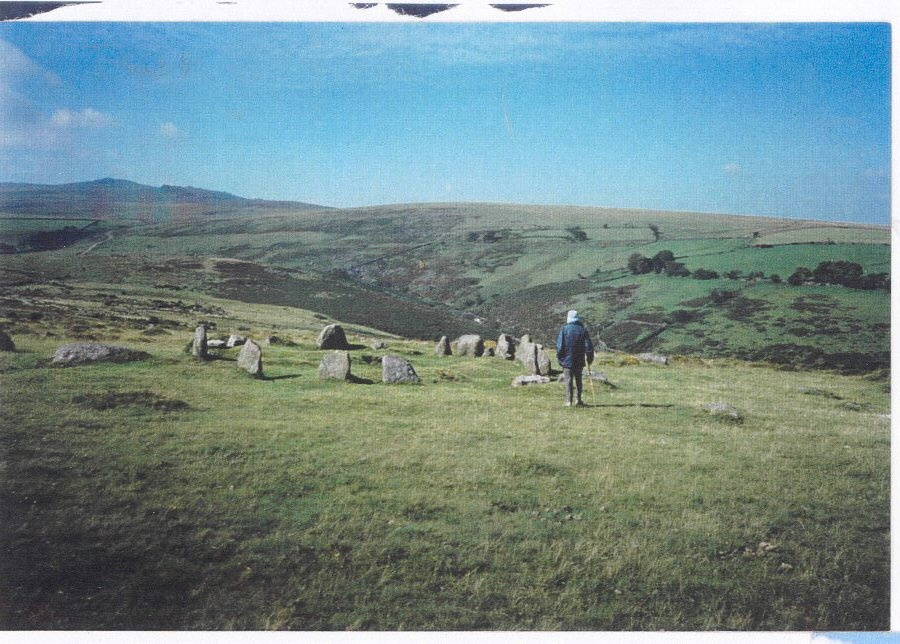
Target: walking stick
591, 378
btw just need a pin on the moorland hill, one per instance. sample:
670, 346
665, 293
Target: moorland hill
721, 285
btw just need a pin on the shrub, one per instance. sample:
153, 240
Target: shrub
676, 269
638, 264
704, 274
577, 233
719, 295
800, 276
839, 272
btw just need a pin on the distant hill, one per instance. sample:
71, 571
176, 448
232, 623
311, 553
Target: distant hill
672, 282
117, 199
518, 268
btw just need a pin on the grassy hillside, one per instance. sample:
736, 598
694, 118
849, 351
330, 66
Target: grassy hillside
422, 270
178, 494
521, 267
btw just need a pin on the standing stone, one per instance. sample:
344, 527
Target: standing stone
533, 357
199, 348
488, 352
506, 347
250, 359
470, 345
527, 354
543, 360
442, 348
6, 343
522, 349
235, 341
332, 337
335, 366
525, 338
397, 370
215, 344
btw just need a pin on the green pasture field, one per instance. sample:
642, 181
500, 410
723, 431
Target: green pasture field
174, 493
836, 234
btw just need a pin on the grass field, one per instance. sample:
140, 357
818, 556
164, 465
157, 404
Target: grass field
174, 493
179, 494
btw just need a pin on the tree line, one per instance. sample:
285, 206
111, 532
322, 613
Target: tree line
840, 273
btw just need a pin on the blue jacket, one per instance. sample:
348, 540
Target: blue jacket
573, 345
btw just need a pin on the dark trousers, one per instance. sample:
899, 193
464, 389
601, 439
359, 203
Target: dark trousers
568, 376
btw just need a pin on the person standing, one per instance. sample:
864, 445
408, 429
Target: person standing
573, 349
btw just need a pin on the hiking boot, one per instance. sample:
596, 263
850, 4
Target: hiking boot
579, 404
568, 404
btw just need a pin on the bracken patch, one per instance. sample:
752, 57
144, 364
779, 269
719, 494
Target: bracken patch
146, 399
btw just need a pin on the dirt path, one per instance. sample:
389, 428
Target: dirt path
87, 250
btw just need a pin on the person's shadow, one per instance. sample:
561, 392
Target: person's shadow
652, 405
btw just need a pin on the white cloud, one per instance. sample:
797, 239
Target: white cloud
825, 639
15, 65
731, 169
170, 130
87, 118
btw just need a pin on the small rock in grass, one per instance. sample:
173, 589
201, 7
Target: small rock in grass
215, 344
599, 376
655, 358
396, 370
812, 391
378, 344
724, 411
77, 353
521, 381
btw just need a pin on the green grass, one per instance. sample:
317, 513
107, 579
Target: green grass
462, 503
816, 234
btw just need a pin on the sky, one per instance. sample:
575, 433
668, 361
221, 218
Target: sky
856, 638
769, 119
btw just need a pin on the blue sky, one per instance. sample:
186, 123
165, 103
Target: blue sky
856, 638
770, 119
